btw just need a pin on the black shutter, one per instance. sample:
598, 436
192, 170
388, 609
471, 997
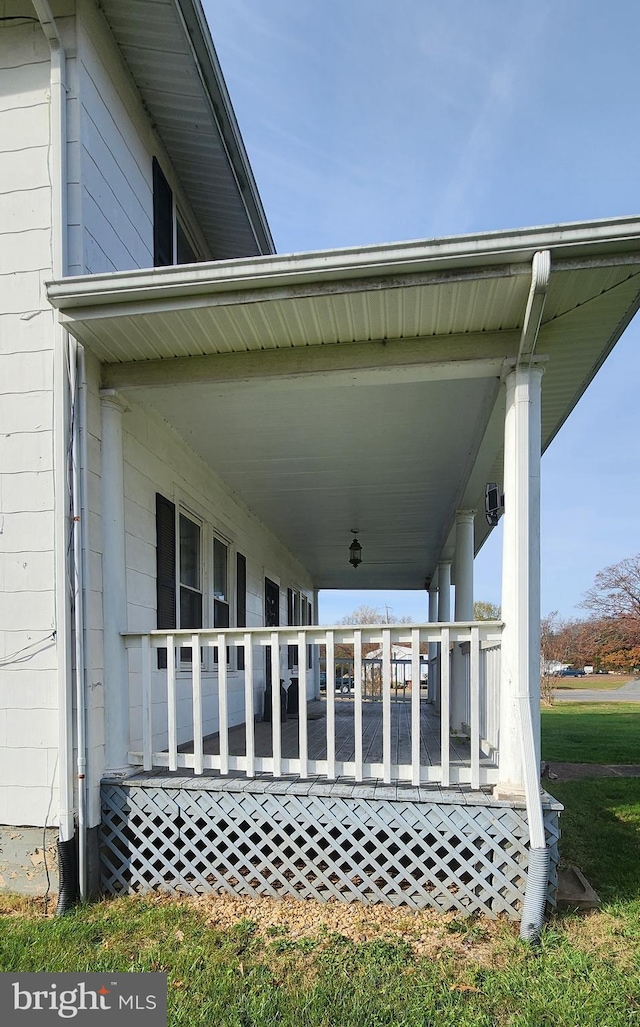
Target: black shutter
162, 218
308, 619
292, 650
165, 568
241, 600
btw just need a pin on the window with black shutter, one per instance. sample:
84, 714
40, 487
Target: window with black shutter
171, 243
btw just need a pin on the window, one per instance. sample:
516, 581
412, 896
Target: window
190, 574
293, 617
220, 591
220, 584
171, 244
192, 566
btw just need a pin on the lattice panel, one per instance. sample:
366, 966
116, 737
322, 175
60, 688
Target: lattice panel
470, 858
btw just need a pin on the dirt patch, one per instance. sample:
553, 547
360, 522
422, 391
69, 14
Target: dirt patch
427, 932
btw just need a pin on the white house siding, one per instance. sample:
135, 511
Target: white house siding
28, 682
156, 459
111, 197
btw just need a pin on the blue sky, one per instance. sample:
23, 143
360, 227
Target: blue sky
372, 121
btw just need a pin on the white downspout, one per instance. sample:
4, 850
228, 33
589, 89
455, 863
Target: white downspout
65, 387
80, 591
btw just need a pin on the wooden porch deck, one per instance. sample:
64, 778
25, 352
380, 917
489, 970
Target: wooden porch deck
372, 720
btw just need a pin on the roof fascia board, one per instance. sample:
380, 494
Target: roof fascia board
472, 355
593, 244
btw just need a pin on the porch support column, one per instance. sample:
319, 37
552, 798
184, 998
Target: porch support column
116, 678
463, 611
444, 615
433, 646
520, 660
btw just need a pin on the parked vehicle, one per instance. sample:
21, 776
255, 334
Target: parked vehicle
343, 684
572, 672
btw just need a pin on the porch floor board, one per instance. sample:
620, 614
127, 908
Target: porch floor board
345, 735
345, 749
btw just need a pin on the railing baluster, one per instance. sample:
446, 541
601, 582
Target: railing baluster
386, 706
415, 706
303, 743
275, 705
474, 702
331, 706
357, 700
223, 705
445, 682
196, 682
250, 740
172, 727
147, 715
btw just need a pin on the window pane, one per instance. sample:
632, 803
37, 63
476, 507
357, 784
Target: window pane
185, 254
220, 570
220, 614
190, 609
189, 554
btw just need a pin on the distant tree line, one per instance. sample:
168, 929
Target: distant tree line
609, 639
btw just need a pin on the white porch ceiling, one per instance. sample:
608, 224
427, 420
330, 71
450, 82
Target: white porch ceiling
361, 388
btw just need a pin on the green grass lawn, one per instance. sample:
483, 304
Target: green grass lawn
306, 965
601, 834
594, 682
584, 974
598, 732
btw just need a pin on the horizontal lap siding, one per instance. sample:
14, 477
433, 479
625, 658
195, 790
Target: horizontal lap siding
113, 198
157, 460
28, 680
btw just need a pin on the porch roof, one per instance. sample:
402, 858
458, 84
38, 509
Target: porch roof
361, 388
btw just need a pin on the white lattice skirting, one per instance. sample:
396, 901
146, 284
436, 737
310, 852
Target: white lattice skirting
466, 856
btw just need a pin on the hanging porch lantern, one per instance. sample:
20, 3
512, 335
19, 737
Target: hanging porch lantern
355, 550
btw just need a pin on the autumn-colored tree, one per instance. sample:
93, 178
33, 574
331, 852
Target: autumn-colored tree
615, 592
554, 649
615, 598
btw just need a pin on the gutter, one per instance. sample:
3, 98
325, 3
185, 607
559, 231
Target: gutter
613, 242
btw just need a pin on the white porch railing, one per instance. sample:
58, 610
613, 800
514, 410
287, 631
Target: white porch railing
175, 708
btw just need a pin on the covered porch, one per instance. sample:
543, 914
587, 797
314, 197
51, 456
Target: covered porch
380, 391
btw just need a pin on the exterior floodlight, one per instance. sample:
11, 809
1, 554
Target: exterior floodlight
355, 551
493, 504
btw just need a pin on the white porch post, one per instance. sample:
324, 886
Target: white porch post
116, 679
463, 611
444, 614
520, 661
433, 646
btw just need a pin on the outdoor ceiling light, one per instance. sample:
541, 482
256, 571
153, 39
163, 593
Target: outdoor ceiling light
355, 550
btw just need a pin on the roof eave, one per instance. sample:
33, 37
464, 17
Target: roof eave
591, 243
